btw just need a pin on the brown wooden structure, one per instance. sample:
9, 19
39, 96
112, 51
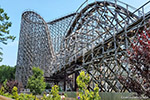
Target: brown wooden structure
95, 39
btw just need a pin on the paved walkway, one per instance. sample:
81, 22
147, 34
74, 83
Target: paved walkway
4, 98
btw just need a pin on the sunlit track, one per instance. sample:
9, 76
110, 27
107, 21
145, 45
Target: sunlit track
95, 38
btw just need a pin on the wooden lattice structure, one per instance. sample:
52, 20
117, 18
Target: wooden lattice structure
95, 38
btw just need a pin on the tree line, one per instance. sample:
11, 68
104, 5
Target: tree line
7, 73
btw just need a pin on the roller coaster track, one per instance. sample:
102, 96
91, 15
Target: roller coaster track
95, 38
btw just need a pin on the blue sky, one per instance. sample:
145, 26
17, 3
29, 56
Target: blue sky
48, 9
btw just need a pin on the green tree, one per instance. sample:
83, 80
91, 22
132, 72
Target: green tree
4, 32
36, 82
84, 94
7, 73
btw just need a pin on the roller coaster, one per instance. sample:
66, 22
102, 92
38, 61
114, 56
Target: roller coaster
95, 39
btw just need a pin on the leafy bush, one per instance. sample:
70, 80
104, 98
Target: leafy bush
27, 97
54, 92
2, 90
15, 93
16, 96
9, 85
53, 95
36, 82
84, 94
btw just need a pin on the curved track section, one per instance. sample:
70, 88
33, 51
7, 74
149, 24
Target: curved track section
35, 46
